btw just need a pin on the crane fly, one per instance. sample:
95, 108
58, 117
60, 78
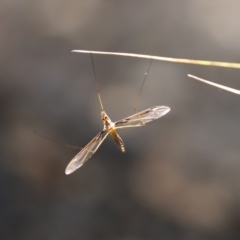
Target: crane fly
137, 120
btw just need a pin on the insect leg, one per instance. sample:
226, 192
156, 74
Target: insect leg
138, 95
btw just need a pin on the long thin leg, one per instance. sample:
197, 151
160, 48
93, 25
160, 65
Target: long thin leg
138, 95
56, 141
96, 83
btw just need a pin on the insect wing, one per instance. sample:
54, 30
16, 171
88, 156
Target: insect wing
139, 119
86, 153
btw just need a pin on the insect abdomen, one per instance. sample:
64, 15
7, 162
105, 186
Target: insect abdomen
118, 140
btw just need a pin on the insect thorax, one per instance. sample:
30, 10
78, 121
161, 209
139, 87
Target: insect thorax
107, 123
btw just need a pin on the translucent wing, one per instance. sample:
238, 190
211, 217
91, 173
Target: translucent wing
86, 153
139, 119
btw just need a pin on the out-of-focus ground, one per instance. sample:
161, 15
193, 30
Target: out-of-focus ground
180, 175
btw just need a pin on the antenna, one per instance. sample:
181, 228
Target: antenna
96, 84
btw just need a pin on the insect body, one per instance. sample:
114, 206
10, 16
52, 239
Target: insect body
109, 126
136, 120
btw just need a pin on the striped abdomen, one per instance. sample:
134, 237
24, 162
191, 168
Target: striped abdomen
118, 140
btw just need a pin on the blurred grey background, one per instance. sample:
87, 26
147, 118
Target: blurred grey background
179, 178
